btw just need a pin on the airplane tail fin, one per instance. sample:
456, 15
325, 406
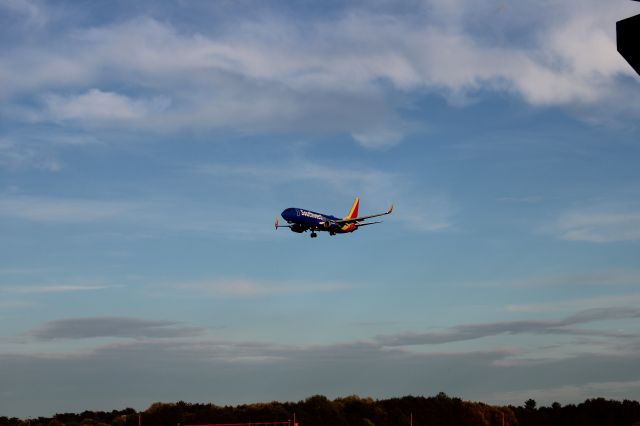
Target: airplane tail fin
353, 213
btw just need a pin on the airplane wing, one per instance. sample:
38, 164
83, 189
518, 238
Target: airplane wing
368, 223
361, 218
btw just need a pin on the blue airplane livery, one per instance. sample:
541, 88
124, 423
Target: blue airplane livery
301, 220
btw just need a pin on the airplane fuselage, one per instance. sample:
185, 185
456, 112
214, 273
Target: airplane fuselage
302, 220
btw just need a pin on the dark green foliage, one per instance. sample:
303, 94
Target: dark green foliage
317, 410
592, 412
530, 404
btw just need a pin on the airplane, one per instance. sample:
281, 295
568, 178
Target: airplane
301, 220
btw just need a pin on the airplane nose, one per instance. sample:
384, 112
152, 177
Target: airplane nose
287, 214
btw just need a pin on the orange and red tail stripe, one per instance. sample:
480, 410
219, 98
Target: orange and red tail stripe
353, 213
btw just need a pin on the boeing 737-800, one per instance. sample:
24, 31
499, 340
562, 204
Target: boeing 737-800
301, 220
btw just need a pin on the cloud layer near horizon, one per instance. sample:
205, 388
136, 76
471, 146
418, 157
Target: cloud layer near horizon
194, 360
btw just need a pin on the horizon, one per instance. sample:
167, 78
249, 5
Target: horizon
529, 404
146, 149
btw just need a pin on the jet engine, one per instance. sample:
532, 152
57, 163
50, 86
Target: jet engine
297, 228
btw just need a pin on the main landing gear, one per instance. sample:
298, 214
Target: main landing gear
313, 235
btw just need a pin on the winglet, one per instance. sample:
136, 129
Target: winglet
276, 222
390, 209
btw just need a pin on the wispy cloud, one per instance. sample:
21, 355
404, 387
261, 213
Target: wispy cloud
420, 210
476, 331
377, 366
580, 304
197, 364
606, 278
14, 156
527, 199
85, 328
15, 304
62, 210
599, 225
242, 288
44, 289
25, 10
303, 170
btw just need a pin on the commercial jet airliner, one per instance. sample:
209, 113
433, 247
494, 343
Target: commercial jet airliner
300, 220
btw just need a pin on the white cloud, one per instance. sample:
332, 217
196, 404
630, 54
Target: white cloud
378, 138
62, 210
229, 82
599, 225
330, 76
98, 105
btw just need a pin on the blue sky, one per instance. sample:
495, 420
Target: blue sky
146, 149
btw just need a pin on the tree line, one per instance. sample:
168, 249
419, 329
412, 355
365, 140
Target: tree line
439, 410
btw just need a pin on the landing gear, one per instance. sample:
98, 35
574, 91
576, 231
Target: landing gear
313, 235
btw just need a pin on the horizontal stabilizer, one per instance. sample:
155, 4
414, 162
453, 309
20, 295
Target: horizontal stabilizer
281, 226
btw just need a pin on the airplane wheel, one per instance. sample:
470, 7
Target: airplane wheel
313, 235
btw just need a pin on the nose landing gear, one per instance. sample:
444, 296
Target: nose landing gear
313, 235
